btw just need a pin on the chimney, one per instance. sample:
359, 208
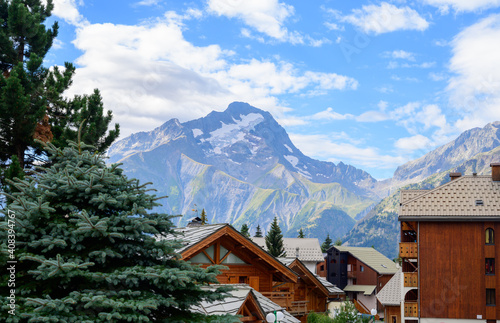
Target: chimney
455, 175
495, 171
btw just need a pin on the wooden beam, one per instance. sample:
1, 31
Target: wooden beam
227, 254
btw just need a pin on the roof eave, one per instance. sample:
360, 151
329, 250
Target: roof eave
448, 218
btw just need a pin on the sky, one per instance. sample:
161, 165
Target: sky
373, 84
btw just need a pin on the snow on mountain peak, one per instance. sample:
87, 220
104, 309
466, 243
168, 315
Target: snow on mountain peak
231, 133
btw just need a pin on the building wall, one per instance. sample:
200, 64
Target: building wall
311, 265
337, 267
452, 270
321, 269
366, 277
368, 301
393, 311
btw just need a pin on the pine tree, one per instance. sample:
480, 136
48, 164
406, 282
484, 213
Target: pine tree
12, 172
338, 242
203, 217
258, 232
327, 244
87, 248
274, 240
244, 230
31, 101
301, 234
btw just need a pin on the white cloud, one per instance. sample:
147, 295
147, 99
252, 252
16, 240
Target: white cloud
68, 10
372, 116
437, 76
385, 18
338, 149
329, 114
463, 5
147, 2
400, 54
417, 142
474, 88
146, 82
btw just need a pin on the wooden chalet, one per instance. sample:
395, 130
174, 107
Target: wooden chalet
361, 273
244, 301
294, 288
449, 250
390, 298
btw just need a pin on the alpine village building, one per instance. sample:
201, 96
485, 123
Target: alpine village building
263, 283
361, 273
449, 246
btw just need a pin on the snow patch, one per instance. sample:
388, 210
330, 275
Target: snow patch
289, 149
292, 160
197, 132
229, 134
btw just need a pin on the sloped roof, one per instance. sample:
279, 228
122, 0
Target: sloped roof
296, 265
192, 235
233, 303
372, 258
365, 289
309, 248
455, 200
195, 238
332, 289
391, 293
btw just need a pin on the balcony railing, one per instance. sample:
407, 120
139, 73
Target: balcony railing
408, 250
411, 279
411, 309
281, 298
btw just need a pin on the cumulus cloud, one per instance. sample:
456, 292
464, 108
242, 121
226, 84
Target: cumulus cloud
400, 54
339, 149
68, 11
384, 18
463, 5
474, 87
329, 114
267, 17
146, 82
417, 142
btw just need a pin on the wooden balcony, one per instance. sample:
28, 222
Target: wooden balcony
283, 299
411, 309
408, 250
351, 274
411, 279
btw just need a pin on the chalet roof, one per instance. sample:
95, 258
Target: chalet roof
192, 235
454, 200
391, 293
195, 237
233, 303
365, 289
372, 258
332, 289
309, 248
294, 263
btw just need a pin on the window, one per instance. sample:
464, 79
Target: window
490, 236
490, 266
490, 297
479, 203
322, 267
361, 268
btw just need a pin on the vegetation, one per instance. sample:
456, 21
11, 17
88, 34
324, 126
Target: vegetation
258, 232
301, 234
327, 244
338, 242
203, 217
346, 314
274, 240
31, 102
87, 248
244, 230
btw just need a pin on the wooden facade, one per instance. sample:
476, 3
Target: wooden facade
294, 287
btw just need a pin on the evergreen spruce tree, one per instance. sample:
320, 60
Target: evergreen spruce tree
327, 244
87, 248
274, 240
258, 232
244, 230
31, 102
301, 234
338, 242
203, 217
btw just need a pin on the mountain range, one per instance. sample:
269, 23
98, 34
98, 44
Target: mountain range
241, 167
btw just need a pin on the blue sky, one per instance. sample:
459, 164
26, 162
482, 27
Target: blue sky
371, 83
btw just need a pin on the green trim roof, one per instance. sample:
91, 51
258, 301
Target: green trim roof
365, 289
372, 258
